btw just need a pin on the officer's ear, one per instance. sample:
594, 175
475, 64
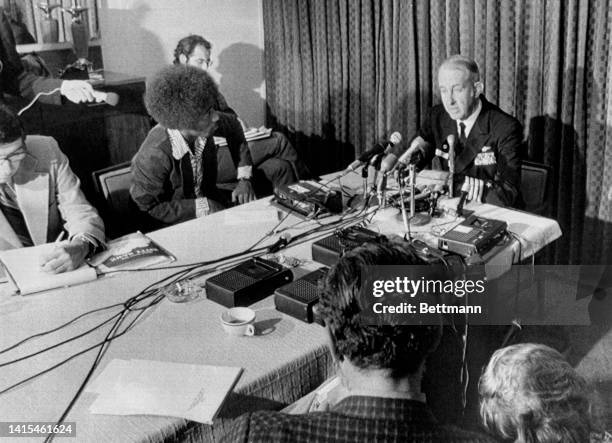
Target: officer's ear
183, 59
479, 88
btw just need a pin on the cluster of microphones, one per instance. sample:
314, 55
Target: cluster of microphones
392, 156
387, 157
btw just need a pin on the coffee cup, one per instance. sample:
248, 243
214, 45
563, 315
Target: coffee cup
238, 321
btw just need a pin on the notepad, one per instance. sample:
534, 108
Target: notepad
24, 272
132, 387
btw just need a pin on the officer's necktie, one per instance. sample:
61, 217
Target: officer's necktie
462, 137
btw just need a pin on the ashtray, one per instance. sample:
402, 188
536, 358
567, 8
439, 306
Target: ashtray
183, 291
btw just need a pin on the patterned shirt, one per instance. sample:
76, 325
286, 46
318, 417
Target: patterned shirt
354, 419
180, 148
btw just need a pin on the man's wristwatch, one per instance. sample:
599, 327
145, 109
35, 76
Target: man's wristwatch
93, 245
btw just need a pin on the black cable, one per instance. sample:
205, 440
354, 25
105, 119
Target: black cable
191, 265
56, 345
271, 231
50, 331
93, 367
128, 307
142, 295
103, 347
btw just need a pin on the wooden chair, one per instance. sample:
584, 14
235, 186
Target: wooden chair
112, 185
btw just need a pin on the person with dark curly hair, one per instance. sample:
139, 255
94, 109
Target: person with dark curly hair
381, 366
273, 157
175, 170
530, 394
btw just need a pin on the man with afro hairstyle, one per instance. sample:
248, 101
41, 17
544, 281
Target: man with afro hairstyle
175, 169
381, 366
275, 160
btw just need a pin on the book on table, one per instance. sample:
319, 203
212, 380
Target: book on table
132, 251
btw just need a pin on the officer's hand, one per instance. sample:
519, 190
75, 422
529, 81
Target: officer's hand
474, 188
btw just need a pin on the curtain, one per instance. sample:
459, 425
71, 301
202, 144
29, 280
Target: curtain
341, 74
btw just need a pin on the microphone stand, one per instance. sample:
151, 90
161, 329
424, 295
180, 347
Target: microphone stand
364, 176
421, 218
375, 162
402, 190
451, 168
380, 191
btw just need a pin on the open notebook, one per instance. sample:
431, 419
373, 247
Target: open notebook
132, 251
25, 275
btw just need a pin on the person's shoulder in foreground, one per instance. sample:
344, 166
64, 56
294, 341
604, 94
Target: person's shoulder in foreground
354, 419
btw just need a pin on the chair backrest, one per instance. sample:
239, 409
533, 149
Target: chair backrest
535, 187
113, 187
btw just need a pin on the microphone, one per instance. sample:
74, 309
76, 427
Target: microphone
464, 194
376, 161
110, 98
394, 139
391, 158
379, 148
450, 140
388, 163
366, 156
282, 241
408, 157
436, 192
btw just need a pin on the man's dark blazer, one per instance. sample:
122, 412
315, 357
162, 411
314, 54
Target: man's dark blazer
491, 152
162, 186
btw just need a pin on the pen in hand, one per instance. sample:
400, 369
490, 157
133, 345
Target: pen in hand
65, 256
60, 237
48, 257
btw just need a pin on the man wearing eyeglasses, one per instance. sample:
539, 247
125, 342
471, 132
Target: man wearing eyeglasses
40, 199
274, 156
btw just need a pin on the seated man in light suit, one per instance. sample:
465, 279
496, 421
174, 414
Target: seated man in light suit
487, 140
273, 156
40, 197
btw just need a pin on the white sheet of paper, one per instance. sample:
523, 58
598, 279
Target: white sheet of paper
109, 376
23, 265
194, 392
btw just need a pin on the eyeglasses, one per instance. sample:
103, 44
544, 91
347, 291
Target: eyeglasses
201, 62
14, 156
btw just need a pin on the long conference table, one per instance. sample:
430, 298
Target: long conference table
285, 360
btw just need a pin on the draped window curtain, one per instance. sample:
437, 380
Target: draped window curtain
341, 74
